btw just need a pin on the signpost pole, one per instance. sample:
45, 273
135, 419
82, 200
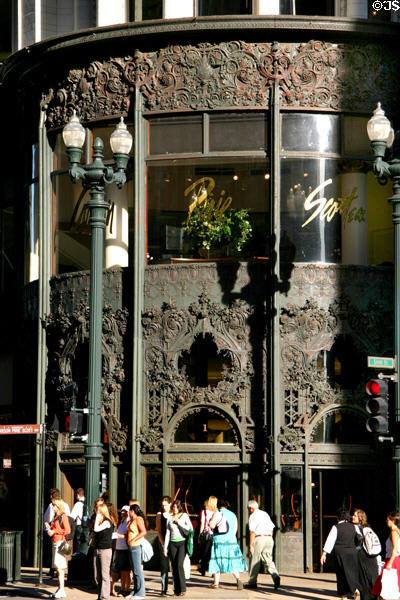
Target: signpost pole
41, 503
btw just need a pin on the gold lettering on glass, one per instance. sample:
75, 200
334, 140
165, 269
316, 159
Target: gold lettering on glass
327, 208
203, 195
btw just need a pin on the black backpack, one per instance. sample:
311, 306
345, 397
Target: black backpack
72, 524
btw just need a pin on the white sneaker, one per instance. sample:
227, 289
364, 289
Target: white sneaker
60, 594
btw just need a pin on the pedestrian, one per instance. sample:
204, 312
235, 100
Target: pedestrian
226, 556
161, 526
121, 563
102, 549
49, 514
178, 527
205, 534
57, 530
392, 555
343, 539
367, 565
77, 515
261, 544
136, 530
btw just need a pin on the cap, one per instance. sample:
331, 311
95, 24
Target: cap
125, 508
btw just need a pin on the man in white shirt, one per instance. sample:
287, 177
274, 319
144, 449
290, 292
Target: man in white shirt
261, 545
77, 515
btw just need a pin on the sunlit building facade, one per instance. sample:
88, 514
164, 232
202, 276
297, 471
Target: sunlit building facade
239, 375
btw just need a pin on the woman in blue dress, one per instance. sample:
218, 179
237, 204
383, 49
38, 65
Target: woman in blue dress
226, 556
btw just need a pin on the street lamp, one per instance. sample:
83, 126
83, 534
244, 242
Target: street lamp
382, 137
95, 176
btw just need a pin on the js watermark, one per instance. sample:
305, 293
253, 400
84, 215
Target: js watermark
378, 5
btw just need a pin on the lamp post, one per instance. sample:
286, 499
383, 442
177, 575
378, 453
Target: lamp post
382, 137
95, 176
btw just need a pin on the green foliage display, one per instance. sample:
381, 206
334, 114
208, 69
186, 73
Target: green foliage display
208, 229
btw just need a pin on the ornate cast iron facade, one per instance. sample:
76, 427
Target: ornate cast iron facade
67, 329
228, 75
310, 328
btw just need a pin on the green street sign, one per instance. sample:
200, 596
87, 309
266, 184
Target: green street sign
380, 362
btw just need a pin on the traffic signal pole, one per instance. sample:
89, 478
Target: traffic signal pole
395, 202
382, 136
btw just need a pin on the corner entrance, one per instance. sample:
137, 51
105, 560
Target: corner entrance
336, 488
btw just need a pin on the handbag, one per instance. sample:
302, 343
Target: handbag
65, 548
147, 549
390, 585
205, 536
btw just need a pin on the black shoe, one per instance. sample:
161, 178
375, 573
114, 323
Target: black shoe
277, 582
250, 586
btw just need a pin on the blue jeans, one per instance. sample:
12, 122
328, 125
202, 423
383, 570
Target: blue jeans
135, 553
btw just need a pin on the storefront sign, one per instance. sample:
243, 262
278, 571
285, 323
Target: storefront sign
327, 208
203, 195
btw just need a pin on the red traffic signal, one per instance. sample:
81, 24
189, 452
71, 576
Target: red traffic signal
377, 405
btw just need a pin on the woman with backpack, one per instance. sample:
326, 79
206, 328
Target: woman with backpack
103, 528
58, 531
368, 553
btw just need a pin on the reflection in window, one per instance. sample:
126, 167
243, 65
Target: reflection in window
174, 185
203, 365
291, 499
312, 133
204, 427
341, 428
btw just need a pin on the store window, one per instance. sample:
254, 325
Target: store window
217, 161
332, 208
291, 499
224, 7
342, 364
205, 427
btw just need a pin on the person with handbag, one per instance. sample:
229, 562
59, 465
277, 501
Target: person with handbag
206, 533
226, 556
385, 584
161, 526
59, 528
178, 528
103, 528
367, 557
136, 530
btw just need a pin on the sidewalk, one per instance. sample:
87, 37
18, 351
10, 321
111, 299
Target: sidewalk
308, 586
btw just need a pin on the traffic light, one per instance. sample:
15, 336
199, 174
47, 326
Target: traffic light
68, 422
378, 405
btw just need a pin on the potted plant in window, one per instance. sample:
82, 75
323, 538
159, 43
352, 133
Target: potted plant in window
216, 233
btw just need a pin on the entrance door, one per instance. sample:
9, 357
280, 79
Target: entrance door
336, 488
194, 486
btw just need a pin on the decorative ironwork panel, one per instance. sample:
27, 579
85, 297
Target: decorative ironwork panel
168, 331
229, 75
310, 329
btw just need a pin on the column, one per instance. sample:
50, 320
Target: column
117, 228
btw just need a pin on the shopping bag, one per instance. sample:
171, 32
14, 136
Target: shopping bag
186, 566
390, 585
147, 549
